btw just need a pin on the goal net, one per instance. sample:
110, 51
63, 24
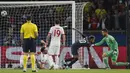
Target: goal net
43, 14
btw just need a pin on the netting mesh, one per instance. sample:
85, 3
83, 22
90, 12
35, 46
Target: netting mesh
44, 16
79, 19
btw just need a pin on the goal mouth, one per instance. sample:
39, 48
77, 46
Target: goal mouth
43, 14
43, 10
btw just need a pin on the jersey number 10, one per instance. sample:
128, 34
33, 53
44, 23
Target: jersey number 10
57, 32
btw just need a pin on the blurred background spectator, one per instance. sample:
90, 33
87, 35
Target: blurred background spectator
111, 14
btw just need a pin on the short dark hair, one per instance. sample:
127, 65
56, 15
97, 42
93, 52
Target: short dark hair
28, 17
57, 21
91, 37
105, 30
42, 49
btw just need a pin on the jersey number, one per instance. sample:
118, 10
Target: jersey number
57, 32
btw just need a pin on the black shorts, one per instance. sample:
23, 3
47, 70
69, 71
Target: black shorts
29, 45
75, 47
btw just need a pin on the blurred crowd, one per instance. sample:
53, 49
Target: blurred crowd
110, 14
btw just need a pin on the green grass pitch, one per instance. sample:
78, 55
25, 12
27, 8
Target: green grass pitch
68, 71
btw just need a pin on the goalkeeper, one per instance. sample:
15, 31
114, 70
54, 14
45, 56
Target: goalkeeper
113, 52
74, 49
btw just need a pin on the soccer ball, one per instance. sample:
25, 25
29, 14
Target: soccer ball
3, 13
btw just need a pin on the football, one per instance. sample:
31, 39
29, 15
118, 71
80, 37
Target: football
3, 13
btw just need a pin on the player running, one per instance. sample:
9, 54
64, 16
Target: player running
113, 52
75, 47
55, 33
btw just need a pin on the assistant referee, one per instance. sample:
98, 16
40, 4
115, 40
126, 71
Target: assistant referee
28, 35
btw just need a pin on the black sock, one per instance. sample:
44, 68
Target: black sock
72, 62
68, 60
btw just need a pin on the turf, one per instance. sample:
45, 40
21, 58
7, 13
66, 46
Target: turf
69, 71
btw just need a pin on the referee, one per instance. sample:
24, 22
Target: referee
28, 35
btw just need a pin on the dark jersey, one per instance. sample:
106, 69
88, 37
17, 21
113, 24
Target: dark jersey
78, 44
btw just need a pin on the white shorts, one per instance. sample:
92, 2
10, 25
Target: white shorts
54, 50
49, 61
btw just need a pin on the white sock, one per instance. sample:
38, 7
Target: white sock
21, 61
57, 60
50, 61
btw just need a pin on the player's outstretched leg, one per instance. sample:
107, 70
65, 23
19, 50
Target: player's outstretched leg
67, 60
105, 60
120, 63
114, 61
72, 62
50, 62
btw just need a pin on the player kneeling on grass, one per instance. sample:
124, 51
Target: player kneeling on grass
75, 47
113, 52
46, 60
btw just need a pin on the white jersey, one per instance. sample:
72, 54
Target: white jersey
48, 61
56, 32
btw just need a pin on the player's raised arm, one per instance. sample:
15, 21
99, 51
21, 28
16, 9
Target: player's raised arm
100, 43
48, 36
47, 39
43, 43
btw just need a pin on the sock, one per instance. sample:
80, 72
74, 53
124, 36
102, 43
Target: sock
72, 62
57, 60
25, 58
106, 62
21, 63
87, 63
122, 64
33, 61
50, 61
